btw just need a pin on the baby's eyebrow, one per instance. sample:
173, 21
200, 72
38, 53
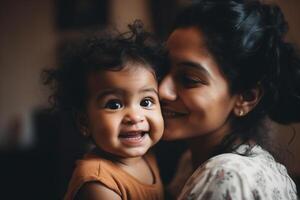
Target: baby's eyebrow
120, 92
113, 91
144, 90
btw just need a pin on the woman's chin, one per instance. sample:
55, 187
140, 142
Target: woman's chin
169, 136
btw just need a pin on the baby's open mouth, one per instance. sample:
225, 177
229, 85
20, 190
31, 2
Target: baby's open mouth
133, 135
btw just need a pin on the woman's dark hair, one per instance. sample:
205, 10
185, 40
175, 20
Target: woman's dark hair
92, 54
246, 38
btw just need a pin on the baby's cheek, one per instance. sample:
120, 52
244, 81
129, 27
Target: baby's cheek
157, 127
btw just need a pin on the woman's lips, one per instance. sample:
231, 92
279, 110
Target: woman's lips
168, 113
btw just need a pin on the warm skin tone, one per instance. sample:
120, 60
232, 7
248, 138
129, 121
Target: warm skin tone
124, 120
196, 100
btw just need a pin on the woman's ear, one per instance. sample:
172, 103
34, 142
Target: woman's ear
247, 101
82, 124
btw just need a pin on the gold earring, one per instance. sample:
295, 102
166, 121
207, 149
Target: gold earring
241, 113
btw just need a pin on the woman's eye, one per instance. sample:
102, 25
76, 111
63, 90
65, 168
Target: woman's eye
146, 102
190, 81
114, 104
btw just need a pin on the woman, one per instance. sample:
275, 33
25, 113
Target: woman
230, 71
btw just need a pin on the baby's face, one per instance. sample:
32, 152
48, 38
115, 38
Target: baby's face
124, 115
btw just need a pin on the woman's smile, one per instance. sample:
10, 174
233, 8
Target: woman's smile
170, 113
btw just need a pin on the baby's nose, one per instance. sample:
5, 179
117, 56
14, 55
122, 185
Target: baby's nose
133, 118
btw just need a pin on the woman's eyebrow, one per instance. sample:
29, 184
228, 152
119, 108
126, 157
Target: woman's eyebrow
195, 65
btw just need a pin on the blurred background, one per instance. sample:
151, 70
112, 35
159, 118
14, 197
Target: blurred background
38, 149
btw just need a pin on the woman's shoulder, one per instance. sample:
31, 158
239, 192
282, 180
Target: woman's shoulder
256, 158
228, 168
240, 177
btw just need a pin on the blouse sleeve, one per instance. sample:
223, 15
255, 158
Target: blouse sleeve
217, 184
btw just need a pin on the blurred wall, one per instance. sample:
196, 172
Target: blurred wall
291, 9
285, 134
28, 40
124, 12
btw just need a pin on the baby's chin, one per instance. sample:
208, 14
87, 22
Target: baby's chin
137, 152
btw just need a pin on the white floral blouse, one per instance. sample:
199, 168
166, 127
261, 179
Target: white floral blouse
232, 176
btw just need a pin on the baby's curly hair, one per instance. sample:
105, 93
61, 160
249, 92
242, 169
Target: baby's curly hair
91, 54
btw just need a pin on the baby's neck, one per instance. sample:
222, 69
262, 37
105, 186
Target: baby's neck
137, 167
129, 162
118, 160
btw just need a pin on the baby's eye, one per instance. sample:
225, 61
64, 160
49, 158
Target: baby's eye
114, 104
147, 102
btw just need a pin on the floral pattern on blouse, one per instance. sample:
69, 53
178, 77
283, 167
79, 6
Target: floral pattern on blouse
232, 176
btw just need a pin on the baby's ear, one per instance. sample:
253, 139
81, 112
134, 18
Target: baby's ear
247, 101
82, 123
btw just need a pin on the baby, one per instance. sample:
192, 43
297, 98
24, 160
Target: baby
111, 84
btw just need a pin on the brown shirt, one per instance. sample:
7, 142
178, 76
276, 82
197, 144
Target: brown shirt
93, 168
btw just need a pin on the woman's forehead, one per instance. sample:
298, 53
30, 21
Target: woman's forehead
185, 40
187, 47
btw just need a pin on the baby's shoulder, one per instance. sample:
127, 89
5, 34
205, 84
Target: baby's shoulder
92, 166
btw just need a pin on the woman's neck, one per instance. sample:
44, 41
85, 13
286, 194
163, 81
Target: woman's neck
203, 146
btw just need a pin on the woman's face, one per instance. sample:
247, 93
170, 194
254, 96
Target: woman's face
195, 94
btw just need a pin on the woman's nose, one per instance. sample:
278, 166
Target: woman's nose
167, 89
133, 117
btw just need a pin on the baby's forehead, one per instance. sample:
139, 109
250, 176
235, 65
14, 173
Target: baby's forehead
130, 67
134, 79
